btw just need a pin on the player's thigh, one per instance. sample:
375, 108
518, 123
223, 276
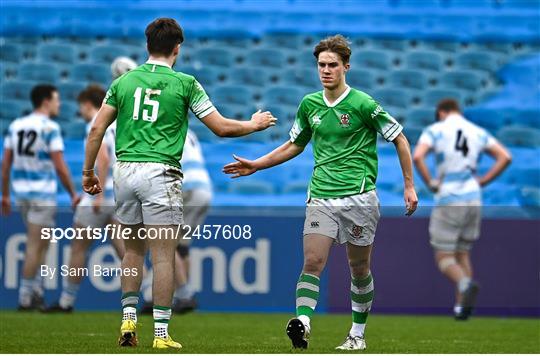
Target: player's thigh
196, 205
127, 176
316, 249
134, 239
358, 219
162, 200
81, 245
445, 228
470, 231
42, 213
162, 241
87, 216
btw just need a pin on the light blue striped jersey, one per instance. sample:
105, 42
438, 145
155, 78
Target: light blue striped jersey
195, 173
458, 145
32, 138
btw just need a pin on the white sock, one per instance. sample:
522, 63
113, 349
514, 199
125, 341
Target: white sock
305, 320
129, 313
25, 292
463, 284
357, 329
457, 309
69, 295
162, 315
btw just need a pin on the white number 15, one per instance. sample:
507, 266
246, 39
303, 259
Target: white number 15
147, 101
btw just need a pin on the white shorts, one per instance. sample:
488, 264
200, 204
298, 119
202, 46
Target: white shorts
351, 219
85, 215
455, 227
38, 212
196, 205
149, 193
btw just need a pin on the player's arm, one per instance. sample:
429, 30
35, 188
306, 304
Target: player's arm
245, 167
404, 153
57, 158
105, 117
502, 160
224, 127
102, 162
419, 156
7, 161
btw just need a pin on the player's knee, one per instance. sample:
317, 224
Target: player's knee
359, 268
313, 264
446, 262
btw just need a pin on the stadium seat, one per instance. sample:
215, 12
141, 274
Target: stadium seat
477, 60
11, 109
432, 97
489, 119
413, 79
71, 90
19, 90
41, 72
421, 117
517, 135
289, 95
106, 54
57, 53
283, 40
390, 44
364, 79
207, 76
74, 129
307, 78
376, 59
259, 136
425, 60
266, 57
529, 196
92, 73
69, 112
8, 70
11, 53
306, 59
298, 186
412, 132
232, 94
222, 57
250, 187
253, 76
393, 97
463, 79
236, 111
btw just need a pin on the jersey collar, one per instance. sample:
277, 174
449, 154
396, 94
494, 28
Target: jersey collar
338, 100
159, 63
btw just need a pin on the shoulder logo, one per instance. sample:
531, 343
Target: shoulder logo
345, 120
316, 120
377, 111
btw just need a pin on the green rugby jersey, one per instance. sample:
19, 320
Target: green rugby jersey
152, 103
344, 141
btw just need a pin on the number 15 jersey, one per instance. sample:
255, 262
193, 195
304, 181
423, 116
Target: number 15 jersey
457, 144
32, 138
152, 103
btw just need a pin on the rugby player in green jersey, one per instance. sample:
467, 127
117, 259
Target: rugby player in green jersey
150, 104
342, 203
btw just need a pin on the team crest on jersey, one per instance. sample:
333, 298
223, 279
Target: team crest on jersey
316, 120
356, 231
345, 120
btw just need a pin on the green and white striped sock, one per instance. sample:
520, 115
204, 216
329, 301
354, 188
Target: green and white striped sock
307, 295
129, 306
361, 300
162, 315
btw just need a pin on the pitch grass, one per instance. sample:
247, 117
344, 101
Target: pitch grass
96, 332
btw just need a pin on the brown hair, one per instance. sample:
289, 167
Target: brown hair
337, 44
447, 105
94, 94
162, 35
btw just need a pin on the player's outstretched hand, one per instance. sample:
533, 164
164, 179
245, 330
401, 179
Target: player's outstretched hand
411, 200
6, 206
263, 120
242, 167
91, 184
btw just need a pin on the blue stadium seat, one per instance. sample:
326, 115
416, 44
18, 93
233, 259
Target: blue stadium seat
92, 73
306, 59
107, 53
372, 59
253, 76
297, 186
42, 72
393, 97
57, 53
69, 111
203, 133
19, 90
412, 132
529, 196
390, 44
259, 136
250, 187
413, 79
517, 135
528, 117
236, 111
283, 40
463, 79
71, 90
521, 4
283, 112
267, 57
364, 79
8, 70
425, 60
74, 129
307, 78
489, 119
289, 95
432, 97
477, 60
222, 57
208, 75
11, 52
232, 94
421, 117
11, 109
